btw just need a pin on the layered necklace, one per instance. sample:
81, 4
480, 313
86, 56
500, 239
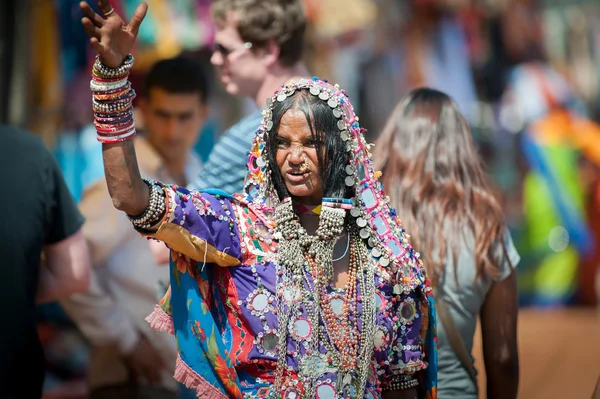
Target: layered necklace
304, 282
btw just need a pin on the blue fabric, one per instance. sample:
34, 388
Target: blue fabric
430, 377
74, 40
215, 191
79, 157
200, 340
206, 141
185, 393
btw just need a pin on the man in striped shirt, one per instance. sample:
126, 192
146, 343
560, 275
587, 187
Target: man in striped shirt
258, 47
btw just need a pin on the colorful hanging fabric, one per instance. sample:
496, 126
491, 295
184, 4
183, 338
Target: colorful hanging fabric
557, 231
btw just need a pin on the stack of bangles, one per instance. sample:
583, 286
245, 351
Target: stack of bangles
112, 102
156, 207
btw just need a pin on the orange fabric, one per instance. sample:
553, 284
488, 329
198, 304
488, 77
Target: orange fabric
561, 125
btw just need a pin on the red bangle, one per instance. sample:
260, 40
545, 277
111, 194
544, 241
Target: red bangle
110, 130
113, 124
104, 140
115, 133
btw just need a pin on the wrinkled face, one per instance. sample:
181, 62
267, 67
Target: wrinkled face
297, 158
173, 121
242, 70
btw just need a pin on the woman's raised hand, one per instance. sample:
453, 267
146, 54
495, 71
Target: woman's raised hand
111, 38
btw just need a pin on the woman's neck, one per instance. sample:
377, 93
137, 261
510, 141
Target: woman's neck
308, 215
309, 222
303, 209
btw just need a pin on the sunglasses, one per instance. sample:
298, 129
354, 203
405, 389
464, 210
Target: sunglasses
224, 51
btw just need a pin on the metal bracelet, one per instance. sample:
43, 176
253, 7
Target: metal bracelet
156, 207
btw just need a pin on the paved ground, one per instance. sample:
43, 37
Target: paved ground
559, 353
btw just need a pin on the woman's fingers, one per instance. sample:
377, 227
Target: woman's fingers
91, 15
90, 28
137, 18
96, 46
106, 8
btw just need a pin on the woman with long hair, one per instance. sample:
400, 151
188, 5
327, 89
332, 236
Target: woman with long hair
435, 177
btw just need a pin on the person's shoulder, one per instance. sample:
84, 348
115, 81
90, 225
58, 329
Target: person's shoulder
25, 153
239, 136
254, 117
16, 139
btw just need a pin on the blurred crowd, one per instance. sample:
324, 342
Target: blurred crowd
526, 73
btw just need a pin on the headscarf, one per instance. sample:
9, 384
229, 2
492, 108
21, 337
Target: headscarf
378, 222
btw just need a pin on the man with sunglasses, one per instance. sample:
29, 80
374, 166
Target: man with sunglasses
258, 47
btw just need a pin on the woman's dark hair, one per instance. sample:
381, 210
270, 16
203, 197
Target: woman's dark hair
331, 149
436, 180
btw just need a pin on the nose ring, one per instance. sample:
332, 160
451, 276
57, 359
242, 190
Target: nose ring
304, 166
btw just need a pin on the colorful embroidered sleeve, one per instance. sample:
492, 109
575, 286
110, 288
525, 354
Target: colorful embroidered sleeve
200, 226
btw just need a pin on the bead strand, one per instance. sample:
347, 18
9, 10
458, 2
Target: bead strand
402, 385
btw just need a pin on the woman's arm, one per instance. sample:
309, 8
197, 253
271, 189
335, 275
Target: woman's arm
113, 40
499, 336
125, 185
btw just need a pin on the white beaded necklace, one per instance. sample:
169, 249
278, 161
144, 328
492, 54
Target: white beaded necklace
347, 247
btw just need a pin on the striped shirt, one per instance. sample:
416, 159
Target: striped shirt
226, 166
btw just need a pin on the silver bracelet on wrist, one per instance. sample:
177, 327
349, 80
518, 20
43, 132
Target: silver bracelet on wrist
156, 207
107, 72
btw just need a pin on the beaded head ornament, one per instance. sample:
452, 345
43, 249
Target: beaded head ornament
373, 216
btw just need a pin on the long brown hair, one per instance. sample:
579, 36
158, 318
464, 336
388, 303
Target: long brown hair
435, 178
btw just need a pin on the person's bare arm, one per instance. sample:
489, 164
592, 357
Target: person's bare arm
66, 269
113, 40
499, 337
125, 185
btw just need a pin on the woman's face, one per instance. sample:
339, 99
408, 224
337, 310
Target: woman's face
297, 158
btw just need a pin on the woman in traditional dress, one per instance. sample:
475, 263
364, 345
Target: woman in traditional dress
303, 286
